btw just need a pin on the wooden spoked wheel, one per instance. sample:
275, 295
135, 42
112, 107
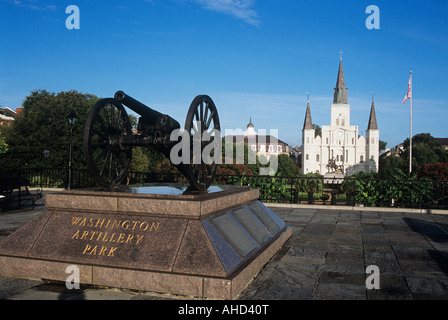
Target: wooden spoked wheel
106, 154
202, 121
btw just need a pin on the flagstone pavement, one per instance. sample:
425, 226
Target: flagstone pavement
325, 259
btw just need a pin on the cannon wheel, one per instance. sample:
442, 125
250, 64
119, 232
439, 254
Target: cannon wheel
107, 157
202, 117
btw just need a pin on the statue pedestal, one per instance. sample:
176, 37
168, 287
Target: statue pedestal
204, 245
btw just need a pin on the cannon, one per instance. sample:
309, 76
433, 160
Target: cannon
109, 138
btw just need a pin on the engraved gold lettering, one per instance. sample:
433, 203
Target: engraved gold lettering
103, 251
135, 224
76, 235
130, 237
100, 224
111, 252
84, 235
146, 226
139, 238
92, 234
154, 226
125, 223
88, 247
116, 224
93, 251
75, 220
121, 238
112, 237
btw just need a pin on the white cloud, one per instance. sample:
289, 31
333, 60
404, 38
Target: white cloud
33, 5
240, 9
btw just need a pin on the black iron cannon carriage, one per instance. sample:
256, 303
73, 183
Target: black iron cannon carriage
109, 138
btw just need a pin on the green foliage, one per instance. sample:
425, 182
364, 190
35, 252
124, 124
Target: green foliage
43, 125
3, 146
140, 161
401, 189
286, 166
388, 165
425, 150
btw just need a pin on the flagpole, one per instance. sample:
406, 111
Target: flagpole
410, 129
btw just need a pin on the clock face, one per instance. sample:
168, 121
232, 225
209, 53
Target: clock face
340, 134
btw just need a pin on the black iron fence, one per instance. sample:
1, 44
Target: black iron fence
417, 193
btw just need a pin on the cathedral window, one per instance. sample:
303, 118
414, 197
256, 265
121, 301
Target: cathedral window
307, 157
317, 158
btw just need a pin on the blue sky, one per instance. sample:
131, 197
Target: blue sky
255, 58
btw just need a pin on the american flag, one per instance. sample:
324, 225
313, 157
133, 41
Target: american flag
409, 95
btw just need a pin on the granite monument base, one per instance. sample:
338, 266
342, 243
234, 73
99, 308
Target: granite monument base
203, 245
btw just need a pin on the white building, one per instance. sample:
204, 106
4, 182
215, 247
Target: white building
263, 145
340, 148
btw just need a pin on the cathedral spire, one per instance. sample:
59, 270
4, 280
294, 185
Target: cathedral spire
372, 119
340, 92
308, 124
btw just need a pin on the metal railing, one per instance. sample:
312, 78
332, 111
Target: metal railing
419, 193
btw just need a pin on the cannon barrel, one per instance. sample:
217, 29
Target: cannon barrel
150, 116
146, 112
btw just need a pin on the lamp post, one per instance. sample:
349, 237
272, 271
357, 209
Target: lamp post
46, 154
71, 118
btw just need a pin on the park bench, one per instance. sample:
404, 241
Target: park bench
15, 193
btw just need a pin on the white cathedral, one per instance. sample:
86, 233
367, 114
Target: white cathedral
340, 149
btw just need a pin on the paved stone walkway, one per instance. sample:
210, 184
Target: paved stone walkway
326, 258
328, 254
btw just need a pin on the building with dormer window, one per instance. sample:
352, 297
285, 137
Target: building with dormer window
266, 145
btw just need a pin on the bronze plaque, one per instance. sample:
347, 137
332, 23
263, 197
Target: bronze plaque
252, 224
265, 217
235, 234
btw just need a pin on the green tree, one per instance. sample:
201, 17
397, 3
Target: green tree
388, 165
43, 125
383, 145
286, 166
140, 161
318, 130
3, 146
425, 150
